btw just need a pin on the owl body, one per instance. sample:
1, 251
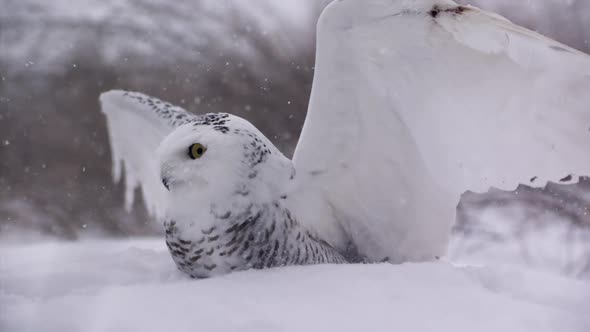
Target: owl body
227, 185
260, 236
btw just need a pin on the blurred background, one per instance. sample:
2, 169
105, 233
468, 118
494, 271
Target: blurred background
254, 59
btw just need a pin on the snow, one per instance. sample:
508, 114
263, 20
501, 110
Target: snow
132, 285
508, 235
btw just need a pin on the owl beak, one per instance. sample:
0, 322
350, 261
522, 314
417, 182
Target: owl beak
166, 183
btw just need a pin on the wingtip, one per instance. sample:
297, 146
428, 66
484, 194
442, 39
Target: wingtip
120, 99
111, 94
110, 97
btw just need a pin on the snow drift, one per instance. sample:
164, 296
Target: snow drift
134, 286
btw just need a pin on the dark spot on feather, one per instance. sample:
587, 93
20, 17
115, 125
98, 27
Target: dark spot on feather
210, 267
222, 129
231, 252
250, 221
231, 229
533, 179
243, 191
225, 215
209, 231
274, 254
567, 178
559, 49
266, 235
232, 241
436, 10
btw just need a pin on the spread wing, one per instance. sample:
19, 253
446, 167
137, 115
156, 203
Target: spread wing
137, 124
415, 102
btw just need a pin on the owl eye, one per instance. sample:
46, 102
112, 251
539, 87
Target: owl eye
196, 151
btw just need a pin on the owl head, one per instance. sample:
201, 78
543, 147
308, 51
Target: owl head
221, 157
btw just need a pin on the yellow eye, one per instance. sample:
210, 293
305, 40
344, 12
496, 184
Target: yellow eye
196, 151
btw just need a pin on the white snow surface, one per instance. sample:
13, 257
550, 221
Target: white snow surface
133, 285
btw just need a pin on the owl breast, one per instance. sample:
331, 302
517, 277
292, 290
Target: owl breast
270, 237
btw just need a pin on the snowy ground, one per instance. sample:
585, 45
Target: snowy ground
509, 235
133, 286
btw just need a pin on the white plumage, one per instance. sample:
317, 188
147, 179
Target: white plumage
413, 103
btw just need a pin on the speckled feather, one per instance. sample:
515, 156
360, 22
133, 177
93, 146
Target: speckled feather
263, 237
177, 116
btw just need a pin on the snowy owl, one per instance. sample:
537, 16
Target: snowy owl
413, 103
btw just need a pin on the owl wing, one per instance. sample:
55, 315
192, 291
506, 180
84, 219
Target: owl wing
137, 124
415, 102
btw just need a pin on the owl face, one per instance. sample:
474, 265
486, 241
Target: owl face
199, 157
223, 156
